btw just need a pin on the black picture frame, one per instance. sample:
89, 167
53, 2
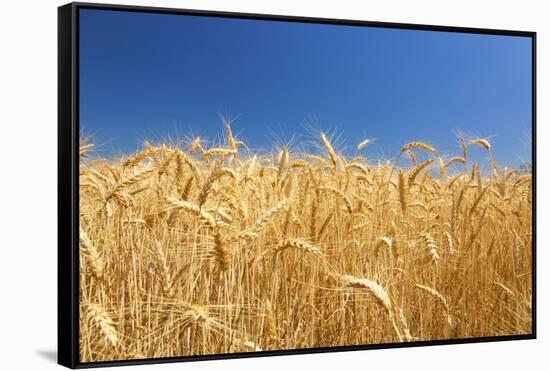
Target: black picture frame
68, 195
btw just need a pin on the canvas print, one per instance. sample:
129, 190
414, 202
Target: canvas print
257, 185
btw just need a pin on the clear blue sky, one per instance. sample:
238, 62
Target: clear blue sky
149, 76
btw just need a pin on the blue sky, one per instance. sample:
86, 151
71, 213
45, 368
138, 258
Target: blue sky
150, 76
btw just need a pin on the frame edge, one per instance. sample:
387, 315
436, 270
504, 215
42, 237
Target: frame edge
68, 253
67, 313
301, 19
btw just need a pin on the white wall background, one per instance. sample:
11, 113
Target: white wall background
28, 181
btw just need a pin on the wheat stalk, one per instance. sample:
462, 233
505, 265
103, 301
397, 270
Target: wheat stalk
103, 322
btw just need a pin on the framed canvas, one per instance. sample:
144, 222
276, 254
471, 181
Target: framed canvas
241, 185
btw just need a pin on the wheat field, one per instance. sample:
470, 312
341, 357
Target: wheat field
193, 250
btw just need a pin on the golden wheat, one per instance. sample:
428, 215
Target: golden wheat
218, 250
